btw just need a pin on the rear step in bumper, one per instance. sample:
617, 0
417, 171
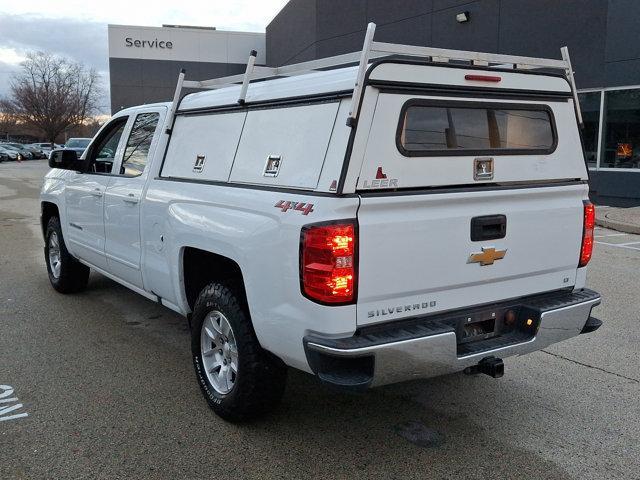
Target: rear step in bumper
427, 348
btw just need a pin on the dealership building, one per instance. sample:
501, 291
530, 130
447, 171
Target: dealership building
144, 62
601, 35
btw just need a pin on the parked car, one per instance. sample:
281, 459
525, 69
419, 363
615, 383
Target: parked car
368, 225
45, 147
39, 152
10, 153
22, 153
35, 151
77, 144
3, 156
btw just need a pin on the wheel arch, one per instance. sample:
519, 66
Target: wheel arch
201, 267
47, 211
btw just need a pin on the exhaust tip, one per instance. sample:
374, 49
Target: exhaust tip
492, 366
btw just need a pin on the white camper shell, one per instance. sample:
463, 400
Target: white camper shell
422, 212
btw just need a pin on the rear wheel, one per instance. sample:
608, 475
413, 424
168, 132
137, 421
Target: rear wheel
239, 379
66, 274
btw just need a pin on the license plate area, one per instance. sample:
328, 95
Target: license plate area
488, 328
483, 325
478, 330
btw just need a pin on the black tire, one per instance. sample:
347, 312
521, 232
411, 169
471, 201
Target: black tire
73, 276
261, 377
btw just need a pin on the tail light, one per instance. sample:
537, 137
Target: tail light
328, 257
587, 233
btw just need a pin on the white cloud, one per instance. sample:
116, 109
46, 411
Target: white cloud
10, 56
251, 15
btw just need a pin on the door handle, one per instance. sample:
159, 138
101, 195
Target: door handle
488, 227
96, 193
131, 198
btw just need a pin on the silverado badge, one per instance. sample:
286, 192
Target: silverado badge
487, 257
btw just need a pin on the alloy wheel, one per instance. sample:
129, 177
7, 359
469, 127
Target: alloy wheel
55, 260
219, 352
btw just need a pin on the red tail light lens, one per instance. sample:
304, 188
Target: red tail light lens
328, 262
587, 233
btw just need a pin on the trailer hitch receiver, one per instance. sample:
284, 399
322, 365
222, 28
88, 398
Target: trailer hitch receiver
492, 366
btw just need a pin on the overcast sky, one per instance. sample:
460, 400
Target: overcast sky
78, 29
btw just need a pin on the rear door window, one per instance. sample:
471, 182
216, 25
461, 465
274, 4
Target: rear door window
441, 127
139, 144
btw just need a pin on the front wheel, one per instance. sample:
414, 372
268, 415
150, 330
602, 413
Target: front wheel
66, 274
239, 379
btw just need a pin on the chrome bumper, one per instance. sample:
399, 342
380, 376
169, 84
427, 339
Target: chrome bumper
393, 355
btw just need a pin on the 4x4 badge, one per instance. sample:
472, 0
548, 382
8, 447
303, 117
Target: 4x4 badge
305, 208
487, 256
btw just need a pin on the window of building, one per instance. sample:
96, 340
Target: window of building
431, 128
138, 145
590, 106
621, 129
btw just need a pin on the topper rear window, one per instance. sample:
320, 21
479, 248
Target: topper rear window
442, 127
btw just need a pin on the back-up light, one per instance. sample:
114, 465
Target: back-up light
586, 251
328, 256
483, 78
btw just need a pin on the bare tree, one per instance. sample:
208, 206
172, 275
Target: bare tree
7, 123
52, 94
87, 129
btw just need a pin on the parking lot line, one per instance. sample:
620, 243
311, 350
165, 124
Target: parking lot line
612, 235
621, 245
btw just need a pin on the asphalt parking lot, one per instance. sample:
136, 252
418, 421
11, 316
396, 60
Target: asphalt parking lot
106, 382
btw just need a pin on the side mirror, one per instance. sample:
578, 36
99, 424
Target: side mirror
66, 160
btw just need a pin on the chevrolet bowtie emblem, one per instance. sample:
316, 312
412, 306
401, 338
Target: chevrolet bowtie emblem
487, 257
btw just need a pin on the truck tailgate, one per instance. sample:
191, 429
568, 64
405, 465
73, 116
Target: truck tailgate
416, 249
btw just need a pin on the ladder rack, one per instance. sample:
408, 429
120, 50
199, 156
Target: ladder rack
370, 51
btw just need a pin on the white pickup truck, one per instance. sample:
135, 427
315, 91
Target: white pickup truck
403, 218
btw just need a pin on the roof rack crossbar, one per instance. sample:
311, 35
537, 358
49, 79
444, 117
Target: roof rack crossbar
371, 50
260, 72
397, 49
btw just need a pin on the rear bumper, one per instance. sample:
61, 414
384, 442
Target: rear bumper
428, 347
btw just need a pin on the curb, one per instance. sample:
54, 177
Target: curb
619, 226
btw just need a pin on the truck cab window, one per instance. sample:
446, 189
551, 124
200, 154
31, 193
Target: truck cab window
138, 144
101, 155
